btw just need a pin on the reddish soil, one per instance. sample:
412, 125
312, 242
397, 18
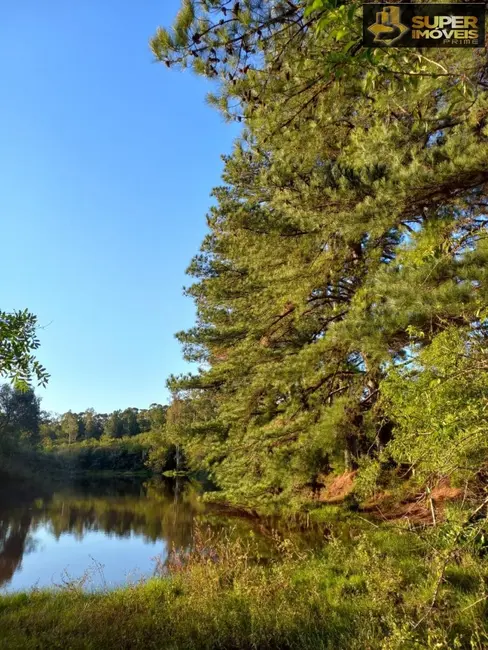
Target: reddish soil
416, 507
338, 488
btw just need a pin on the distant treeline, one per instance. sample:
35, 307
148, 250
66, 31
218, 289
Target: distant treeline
74, 427
132, 440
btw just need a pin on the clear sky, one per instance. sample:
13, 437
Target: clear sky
107, 161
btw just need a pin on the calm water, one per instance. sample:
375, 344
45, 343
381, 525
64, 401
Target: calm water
111, 531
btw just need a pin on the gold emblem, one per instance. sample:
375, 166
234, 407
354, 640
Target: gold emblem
388, 27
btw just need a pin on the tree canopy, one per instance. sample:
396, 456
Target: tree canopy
349, 235
18, 339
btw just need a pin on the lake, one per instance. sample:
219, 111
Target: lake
110, 532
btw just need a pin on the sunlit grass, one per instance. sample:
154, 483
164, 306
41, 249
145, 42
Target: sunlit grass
375, 592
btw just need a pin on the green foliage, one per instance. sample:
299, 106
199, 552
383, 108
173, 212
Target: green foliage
122, 455
341, 297
438, 403
17, 340
91, 424
374, 592
70, 427
114, 426
349, 232
132, 440
369, 477
20, 417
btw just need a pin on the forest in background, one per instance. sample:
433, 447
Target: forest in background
132, 440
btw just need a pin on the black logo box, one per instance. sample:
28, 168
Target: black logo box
408, 11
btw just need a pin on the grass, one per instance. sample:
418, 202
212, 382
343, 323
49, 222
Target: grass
382, 590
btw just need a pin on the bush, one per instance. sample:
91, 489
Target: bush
121, 455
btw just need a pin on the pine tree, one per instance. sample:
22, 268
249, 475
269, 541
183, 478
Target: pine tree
348, 234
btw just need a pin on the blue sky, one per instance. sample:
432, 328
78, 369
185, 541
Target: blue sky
107, 162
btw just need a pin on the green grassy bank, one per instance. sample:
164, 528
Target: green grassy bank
386, 588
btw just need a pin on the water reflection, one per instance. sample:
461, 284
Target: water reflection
150, 511
120, 524
14, 543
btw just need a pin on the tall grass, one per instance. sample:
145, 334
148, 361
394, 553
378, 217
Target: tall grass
375, 592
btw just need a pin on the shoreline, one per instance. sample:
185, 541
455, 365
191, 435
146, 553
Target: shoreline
373, 592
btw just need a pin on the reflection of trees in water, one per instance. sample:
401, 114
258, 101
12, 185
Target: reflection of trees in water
14, 543
154, 514
154, 510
